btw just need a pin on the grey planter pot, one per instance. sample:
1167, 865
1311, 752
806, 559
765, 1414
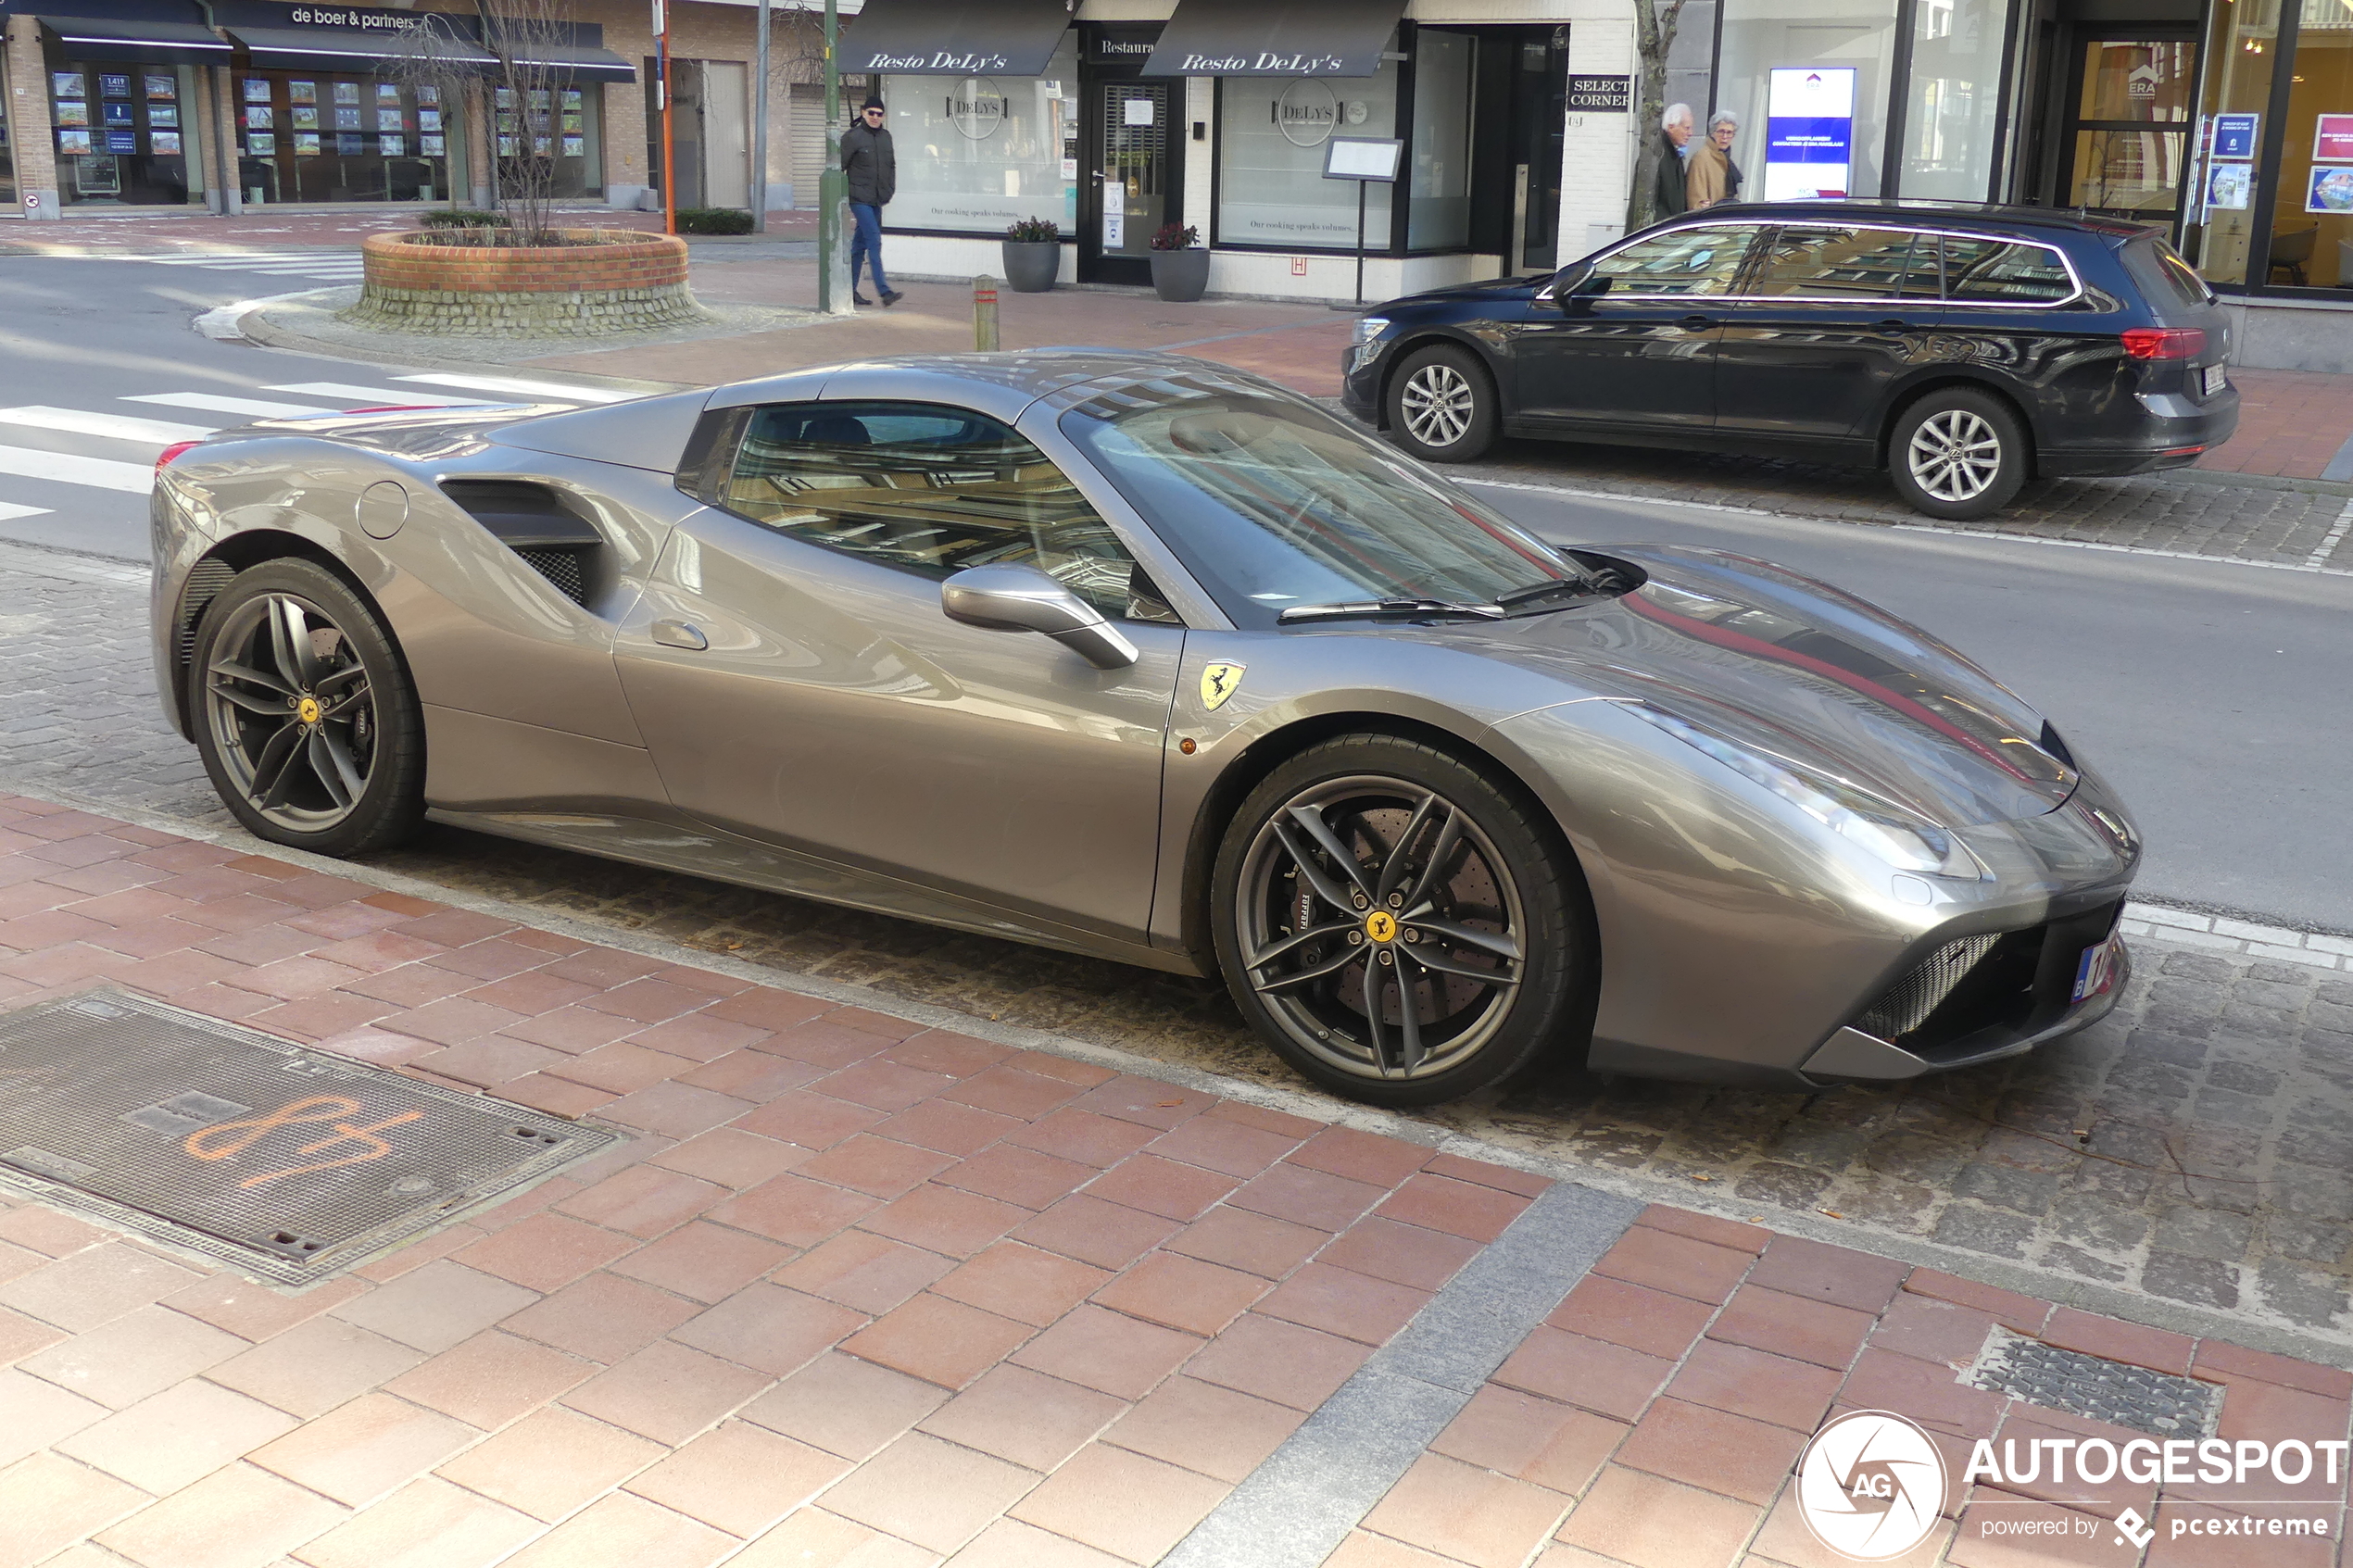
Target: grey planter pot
1181, 275
1030, 265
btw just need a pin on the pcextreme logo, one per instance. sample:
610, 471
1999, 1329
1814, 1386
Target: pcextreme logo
1871, 1486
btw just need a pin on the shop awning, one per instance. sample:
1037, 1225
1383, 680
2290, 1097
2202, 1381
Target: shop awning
577, 62
348, 49
131, 41
1275, 38
955, 37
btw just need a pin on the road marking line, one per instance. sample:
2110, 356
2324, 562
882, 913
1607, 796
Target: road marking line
527, 388
119, 427
2309, 564
102, 473
376, 397
212, 403
247, 258
2318, 559
10, 512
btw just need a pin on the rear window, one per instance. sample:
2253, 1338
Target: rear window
2008, 270
2162, 275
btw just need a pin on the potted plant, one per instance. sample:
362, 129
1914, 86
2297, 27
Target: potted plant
1180, 268
1033, 254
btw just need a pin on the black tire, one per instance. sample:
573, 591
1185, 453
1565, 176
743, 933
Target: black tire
1958, 454
1509, 901
285, 733
1441, 405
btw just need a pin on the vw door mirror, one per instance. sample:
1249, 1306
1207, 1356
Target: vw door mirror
1021, 598
1579, 285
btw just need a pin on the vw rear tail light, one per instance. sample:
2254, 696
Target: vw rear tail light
2164, 343
163, 458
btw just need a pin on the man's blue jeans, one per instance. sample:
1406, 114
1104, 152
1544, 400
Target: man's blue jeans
865, 241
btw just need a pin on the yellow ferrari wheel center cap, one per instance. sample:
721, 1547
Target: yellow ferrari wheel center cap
307, 710
1382, 926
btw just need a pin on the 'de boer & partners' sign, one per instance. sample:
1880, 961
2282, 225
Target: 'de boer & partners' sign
1600, 95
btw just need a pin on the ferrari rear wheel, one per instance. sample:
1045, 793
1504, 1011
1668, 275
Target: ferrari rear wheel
304, 713
1401, 929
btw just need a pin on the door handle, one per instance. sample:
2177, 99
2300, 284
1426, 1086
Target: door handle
679, 634
1696, 323
1895, 324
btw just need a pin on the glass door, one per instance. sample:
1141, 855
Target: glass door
1132, 180
2128, 140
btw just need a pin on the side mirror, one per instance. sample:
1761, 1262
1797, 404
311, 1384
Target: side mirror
1021, 598
1580, 282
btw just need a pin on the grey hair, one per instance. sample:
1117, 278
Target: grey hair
1674, 112
1722, 118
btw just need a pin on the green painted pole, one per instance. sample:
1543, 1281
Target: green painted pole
832, 187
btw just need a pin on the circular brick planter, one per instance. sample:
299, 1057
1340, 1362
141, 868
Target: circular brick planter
604, 281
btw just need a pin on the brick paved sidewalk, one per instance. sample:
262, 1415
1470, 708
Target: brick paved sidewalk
865, 1293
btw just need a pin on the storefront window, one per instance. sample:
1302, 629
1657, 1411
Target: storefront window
1820, 70
1271, 131
2242, 49
977, 154
122, 131
566, 136
310, 137
2313, 216
1952, 115
1437, 209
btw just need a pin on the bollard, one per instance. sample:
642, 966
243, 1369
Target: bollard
985, 314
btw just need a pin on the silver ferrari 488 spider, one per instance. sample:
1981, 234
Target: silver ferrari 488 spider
1140, 657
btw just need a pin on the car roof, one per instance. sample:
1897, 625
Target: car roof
1986, 216
1002, 385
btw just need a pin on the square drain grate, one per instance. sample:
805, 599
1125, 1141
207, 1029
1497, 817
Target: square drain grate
2095, 1388
287, 1164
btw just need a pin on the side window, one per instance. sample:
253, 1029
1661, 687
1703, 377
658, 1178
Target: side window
1701, 260
931, 491
1841, 263
2002, 269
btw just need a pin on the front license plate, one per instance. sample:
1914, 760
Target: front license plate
2096, 970
2216, 378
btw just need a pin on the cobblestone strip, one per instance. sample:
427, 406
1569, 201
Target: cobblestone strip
2223, 934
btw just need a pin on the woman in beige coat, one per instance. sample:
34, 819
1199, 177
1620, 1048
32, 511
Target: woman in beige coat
1711, 175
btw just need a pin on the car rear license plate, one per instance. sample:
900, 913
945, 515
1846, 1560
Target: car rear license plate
2096, 970
2216, 378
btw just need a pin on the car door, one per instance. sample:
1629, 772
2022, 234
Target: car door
797, 682
1630, 345
1831, 318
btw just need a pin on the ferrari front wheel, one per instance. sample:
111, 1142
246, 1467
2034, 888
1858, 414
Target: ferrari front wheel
1399, 929
304, 713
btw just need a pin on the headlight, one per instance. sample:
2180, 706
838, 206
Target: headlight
1902, 838
1370, 327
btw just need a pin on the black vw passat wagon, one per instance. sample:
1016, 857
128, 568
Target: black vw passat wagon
1964, 348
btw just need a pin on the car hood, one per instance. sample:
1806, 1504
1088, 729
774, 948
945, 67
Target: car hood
1490, 290
1779, 662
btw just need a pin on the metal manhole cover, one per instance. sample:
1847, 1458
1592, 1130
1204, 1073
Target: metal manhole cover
2095, 1388
288, 1163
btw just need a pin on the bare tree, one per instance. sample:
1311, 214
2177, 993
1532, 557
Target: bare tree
1654, 25
519, 93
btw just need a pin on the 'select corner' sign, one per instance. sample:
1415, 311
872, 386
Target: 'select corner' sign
1600, 95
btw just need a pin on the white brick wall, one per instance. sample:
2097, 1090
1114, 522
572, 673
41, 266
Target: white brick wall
1597, 150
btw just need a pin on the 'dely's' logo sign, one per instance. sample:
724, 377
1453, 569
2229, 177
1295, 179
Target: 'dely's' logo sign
1871, 1486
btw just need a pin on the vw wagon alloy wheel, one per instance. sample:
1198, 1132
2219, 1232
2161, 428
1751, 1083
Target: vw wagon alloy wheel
1437, 403
1956, 455
1381, 927
304, 714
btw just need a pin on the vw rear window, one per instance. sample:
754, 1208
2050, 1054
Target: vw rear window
2162, 275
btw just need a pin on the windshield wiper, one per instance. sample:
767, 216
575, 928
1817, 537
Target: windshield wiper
1406, 610
1574, 587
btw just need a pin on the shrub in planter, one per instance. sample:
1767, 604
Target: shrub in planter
1180, 268
713, 220
1033, 250
460, 218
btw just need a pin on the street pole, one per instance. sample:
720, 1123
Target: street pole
832, 187
661, 98
760, 127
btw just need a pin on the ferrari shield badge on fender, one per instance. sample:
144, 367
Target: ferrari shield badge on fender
1218, 681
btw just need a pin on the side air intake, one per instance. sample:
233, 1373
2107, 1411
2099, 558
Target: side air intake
539, 524
1906, 1005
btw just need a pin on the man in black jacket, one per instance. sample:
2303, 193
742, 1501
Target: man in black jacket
1668, 193
873, 171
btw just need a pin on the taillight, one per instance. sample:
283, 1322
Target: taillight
165, 457
2164, 343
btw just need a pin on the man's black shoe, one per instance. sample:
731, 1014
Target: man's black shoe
892, 296
859, 299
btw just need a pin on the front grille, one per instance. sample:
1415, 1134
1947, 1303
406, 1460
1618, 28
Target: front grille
1906, 1005
563, 568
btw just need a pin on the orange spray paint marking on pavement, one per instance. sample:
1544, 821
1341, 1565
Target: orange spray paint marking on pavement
204, 1144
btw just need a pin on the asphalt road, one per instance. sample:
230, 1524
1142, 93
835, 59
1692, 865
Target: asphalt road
2217, 697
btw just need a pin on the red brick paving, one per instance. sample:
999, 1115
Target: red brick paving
865, 1293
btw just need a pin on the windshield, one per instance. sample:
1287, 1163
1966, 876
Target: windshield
1274, 504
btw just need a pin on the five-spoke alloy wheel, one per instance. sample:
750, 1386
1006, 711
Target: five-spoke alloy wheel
1957, 454
1441, 405
304, 713
1401, 929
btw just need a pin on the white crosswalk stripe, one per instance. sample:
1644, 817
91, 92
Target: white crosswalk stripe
121, 427
102, 473
320, 265
376, 395
527, 388
213, 403
10, 512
